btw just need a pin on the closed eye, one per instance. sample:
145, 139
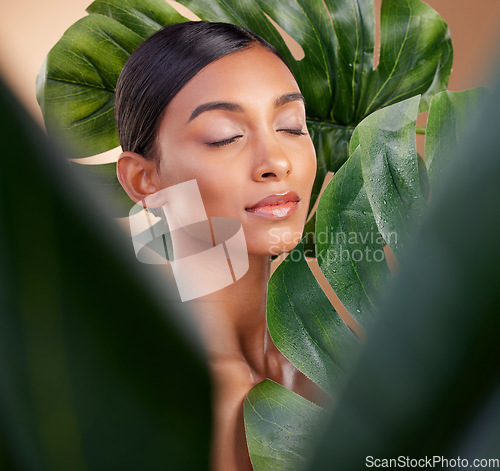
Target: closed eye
296, 132
224, 142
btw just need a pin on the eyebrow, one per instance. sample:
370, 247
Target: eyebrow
215, 105
233, 107
289, 97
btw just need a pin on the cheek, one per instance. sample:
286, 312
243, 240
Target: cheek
214, 197
305, 167
220, 187
180, 165
219, 181
311, 162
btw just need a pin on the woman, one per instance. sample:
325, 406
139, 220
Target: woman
215, 103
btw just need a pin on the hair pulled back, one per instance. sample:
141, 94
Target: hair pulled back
161, 66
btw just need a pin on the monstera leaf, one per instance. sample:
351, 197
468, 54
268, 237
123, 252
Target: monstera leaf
378, 197
336, 75
75, 88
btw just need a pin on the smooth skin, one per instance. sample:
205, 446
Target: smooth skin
239, 128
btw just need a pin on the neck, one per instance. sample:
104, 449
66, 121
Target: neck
233, 320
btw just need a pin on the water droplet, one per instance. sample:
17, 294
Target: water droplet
385, 202
358, 310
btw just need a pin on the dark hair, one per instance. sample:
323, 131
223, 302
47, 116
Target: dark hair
161, 66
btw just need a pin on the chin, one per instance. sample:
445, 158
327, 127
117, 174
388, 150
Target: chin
275, 242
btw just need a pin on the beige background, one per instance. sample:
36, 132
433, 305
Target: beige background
29, 28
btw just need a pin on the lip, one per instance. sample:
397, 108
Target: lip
277, 206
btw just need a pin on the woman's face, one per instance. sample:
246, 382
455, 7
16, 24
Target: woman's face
239, 129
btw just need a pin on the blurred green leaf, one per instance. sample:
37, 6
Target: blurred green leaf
100, 367
448, 116
102, 178
425, 184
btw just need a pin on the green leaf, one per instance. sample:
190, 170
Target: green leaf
415, 56
143, 18
349, 248
76, 87
390, 170
447, 117
280, 427
305, 326
100, 368
374, 199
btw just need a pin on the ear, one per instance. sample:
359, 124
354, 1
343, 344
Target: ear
137, 175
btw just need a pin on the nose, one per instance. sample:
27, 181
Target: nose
272, 162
